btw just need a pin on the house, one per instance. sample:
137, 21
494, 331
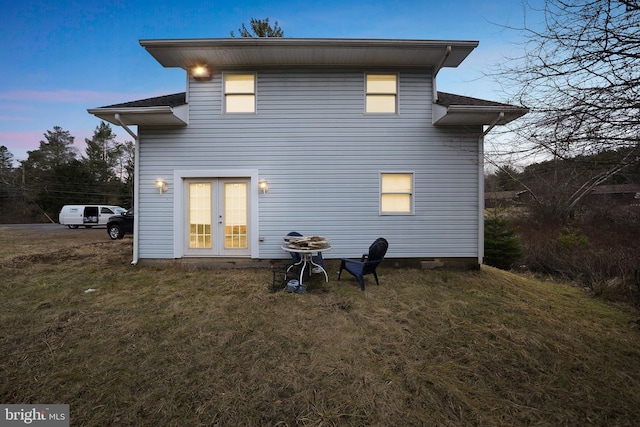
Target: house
344, 138
620, 201
617, 194
494, 199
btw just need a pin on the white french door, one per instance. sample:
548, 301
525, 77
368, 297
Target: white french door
216, 217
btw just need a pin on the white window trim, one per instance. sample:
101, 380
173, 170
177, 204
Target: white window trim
397, 94
412, 194
254, 93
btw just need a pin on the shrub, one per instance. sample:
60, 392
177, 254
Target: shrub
502, 247
572, 238
601, 256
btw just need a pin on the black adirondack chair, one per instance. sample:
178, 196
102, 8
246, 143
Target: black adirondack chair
368, 263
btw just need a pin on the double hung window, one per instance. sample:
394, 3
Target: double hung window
396, 193
382, 93
240, 93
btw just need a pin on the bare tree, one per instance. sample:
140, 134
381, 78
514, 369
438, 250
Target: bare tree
580, 76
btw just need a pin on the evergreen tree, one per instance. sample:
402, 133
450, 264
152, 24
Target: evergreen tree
6, 159
102, 153
42, 171
54, 151
7, 187
126, 167
260, 28
507, 177
502, 247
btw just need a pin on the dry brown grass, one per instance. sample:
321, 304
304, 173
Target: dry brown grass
182, 346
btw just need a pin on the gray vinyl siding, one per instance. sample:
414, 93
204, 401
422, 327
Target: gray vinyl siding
322, 155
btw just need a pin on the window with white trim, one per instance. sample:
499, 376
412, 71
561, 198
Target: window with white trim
396, 193
381, 93
240, 93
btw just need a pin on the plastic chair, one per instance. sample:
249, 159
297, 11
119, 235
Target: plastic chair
368, 263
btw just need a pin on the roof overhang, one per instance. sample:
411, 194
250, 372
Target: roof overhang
288, 52
145, 116
467, 115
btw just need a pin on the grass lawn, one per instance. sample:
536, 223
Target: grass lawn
186, 346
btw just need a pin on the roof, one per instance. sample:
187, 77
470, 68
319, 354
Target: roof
176, 99
172, 100
288, 52
503, 195
171, 110
450, 109
617, 189
160, 110
449, 99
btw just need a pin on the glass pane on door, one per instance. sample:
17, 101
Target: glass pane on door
200, 215
235, 215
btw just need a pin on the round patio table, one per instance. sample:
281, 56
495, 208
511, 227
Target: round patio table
306, 257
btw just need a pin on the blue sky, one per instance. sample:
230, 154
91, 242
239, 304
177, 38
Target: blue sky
60, 58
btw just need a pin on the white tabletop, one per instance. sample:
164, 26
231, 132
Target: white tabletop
305, 251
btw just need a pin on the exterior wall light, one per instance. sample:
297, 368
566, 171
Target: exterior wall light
201, 72
161, 184
263, 186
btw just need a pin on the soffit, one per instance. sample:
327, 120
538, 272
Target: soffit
471, 116
146, 116
284, 52
458, 110
166, 110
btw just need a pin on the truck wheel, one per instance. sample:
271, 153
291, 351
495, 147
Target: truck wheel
72, 226
115, 232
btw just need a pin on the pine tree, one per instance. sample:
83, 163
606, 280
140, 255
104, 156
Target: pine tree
260, 28
502, 248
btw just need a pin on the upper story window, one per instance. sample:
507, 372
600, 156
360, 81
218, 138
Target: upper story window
240, 93
396, 193
382, 93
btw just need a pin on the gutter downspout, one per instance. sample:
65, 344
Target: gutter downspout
481, 187
136, 187
437, 70
493, 123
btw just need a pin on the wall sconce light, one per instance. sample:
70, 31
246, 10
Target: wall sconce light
263, 186
201, 72
161, 184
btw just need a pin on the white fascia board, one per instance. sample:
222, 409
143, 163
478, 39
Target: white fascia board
159, 115
473, 114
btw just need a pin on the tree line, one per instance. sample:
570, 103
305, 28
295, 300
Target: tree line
579, 73
55, 175
557, 190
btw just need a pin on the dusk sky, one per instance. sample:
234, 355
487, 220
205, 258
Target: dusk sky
61, 58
